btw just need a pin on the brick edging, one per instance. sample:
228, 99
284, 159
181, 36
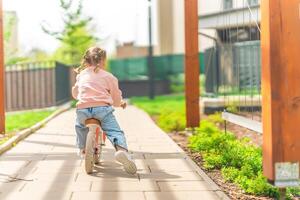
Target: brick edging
218, 191
26, 132
208, 180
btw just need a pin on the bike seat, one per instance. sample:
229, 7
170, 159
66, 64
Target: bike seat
92, 121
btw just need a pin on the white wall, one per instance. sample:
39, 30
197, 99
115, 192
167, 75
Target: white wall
178, 30
209, 6
174, 30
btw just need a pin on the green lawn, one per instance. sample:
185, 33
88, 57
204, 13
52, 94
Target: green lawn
157, 106
22, 120
168, 111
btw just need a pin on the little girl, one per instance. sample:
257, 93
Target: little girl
97, 91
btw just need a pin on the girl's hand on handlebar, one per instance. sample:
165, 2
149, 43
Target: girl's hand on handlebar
123, 104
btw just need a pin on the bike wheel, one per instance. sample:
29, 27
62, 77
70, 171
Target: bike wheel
98, 150
89, 152
97, 156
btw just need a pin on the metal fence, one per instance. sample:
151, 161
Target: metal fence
136, 68
233, 68
36, 85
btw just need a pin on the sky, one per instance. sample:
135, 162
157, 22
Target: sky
114, 21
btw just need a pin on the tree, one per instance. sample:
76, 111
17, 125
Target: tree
10, 50
37, 54
76, 36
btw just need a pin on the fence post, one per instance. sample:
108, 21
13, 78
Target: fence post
280, 44
2, 75
191, 63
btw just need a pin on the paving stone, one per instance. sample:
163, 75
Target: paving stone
37, 195
54, 177
170, 165
113, 175
10, 186
124, 186
164, 155
108, 196
183, 185
170, 176
48, 186
191, 195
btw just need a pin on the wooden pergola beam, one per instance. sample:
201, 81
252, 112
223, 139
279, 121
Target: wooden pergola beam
280, 43
2, 74
191, 63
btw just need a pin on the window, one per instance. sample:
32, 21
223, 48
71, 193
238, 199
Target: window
227, 4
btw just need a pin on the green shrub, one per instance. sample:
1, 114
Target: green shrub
172, 120
176, 83
216, 118
233, 108
239, 161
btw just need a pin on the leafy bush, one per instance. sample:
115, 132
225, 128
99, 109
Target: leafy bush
216, 118
177, 83
172, 119
239, 161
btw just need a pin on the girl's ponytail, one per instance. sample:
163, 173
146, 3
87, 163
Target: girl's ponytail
94, 56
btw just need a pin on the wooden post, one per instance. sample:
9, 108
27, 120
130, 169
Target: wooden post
191, 63
280, 43
2, 73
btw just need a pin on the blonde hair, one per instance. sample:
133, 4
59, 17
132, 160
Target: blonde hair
93, 56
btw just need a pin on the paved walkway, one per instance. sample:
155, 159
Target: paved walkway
45, 166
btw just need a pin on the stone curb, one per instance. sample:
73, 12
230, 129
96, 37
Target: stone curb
208, 180
205, 177
25, 133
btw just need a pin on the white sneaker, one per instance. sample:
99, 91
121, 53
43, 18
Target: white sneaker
125, 159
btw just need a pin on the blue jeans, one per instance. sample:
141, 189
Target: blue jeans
108, 121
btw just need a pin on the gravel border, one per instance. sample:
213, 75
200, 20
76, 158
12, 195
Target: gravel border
26, 132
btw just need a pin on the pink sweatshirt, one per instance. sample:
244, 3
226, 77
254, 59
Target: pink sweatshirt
96, 89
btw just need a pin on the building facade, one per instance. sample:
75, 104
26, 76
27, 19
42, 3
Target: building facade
130, 50
230, 37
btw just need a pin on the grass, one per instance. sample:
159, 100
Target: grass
23, 120
168, 111
157, 106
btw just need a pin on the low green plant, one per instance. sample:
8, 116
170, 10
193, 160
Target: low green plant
172, 119
176, 83
233, 108
216, 118
22, 120
239, 161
